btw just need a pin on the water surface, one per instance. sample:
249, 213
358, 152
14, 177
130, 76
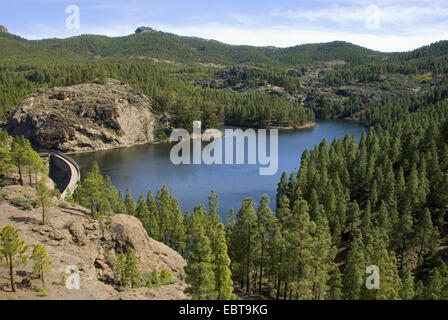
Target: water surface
149, 167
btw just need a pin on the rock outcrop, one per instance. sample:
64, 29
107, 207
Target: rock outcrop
127, 231
143, 30
73, 238
3, 29
84, 117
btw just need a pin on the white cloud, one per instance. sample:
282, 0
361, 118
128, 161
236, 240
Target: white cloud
395, 17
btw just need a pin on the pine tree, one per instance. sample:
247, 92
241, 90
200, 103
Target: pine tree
265, 230
91, 193
42, 261
155, 278
353, 215
114, 197
407, 290
120, 270
424, 231
282, 188
129, 203
34, 164
13, 251
152, 222
164, 203
177, 233
199, 271
298, 231
20, 149
44, 194
126, 269
335, 283
403, 234
221, 261
434, 288
324, 254
132, 269
6, 161
354, 269
243, 240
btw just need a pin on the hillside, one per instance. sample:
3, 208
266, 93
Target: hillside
191, 78
85, 117
73, 238
157, 44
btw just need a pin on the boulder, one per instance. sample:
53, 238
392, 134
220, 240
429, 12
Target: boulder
78, 233
57, 235
128, 232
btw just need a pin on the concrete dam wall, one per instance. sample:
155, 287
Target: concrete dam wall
64, 171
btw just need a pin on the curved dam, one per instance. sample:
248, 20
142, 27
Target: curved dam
65, 172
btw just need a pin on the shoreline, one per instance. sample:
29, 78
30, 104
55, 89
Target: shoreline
308, 125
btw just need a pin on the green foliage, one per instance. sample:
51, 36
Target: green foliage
155, 279
126, 269
44, 196
200, 271
166, 277
24, 203
221, 261
41, 291
42, 262
97, 193
25, 159
13, 251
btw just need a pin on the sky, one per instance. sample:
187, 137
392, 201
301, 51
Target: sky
393, 25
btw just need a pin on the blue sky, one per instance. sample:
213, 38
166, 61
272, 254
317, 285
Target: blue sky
393, 25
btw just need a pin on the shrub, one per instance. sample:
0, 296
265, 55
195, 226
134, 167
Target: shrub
22, 203
64, 277
41, 291
166, 277
155, 279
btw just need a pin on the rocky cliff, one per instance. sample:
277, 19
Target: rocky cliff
3, 29
84, 117
73, 238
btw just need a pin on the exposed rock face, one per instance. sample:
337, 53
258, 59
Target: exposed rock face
144, 29
73, 238
84, 117
3, 29
128, 231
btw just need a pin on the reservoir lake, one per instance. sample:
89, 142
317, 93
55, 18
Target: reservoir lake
149, 166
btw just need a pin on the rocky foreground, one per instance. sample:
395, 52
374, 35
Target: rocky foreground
84, 117
73, 238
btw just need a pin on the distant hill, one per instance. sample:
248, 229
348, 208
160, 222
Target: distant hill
193, 78
157, 44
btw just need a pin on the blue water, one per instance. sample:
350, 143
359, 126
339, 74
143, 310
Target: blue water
149, 167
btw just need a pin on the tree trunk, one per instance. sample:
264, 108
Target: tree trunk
286, 290
261, 267
278, 287
422, 244
42, 277
43, 214
248, 261
20, 175
11, 275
